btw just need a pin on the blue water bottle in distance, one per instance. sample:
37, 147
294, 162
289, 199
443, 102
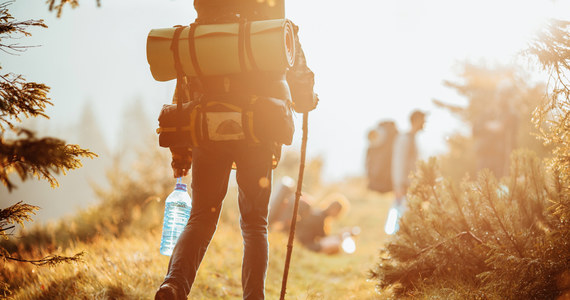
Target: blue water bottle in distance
176, 213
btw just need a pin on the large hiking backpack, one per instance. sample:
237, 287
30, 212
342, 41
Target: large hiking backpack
379, 156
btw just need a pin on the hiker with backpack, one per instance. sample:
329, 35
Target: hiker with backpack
379, 156
404, 158
260, 99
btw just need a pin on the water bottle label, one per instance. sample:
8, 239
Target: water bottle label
177, 204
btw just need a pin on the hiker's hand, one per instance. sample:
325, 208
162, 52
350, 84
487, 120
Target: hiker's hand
305, 103
179, 172
181, 161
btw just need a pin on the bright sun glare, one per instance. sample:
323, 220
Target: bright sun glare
499, 29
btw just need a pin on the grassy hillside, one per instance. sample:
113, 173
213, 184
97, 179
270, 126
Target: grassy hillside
130, 266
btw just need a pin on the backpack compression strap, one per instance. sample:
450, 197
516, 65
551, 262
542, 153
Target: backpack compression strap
180, 76
247, 45
244, 45
192, 50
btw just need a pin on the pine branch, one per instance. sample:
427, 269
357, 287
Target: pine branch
18, 97
514, 175
9, 27
487, 195
15, 214
2, 230
51, 260
58, 5
41, 157
4, 290
18, 213
435, 196
456, 109
455, 200
457, 236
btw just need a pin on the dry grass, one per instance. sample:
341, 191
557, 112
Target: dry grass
132, 268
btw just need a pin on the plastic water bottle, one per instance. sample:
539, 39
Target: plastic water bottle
176, 213
394, 214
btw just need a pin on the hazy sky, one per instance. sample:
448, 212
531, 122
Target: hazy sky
372, 60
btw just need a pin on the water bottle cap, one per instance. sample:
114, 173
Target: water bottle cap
181, 186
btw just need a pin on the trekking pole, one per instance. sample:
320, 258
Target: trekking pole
296, 206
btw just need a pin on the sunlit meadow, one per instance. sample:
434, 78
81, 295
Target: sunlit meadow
131, 267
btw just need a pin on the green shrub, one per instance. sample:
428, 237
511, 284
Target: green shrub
491, 237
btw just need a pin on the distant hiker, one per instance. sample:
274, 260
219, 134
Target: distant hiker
379, 156
226, 144
404, 158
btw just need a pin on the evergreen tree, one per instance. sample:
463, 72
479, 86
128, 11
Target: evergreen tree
21, 151
89, 131
552, 50
24, 153
500, 101
488, 238
135, 132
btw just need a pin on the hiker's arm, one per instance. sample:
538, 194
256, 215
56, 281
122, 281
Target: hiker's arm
181, 156
301, 80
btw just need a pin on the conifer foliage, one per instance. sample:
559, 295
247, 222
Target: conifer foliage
553, 53
489, 236
58, 5
27, 154
21, 151
486, 238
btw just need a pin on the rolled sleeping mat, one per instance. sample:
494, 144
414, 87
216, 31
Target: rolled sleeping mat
222, 49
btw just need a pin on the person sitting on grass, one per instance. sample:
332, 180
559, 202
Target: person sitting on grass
313, 229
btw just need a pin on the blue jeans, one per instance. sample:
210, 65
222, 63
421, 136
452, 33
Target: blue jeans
211, 166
